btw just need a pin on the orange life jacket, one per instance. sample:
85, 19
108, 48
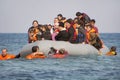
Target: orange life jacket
36, 31
74, 26
76, 31
111, 53
8, 56
58, 55
88, 33
31, 56
33, 38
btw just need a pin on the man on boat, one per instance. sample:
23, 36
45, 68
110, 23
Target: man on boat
63, 34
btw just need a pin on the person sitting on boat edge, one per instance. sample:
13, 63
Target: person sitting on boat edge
63, 34
36, 54
5, 55
92, 23
54, 53
34, 32
112, 51
92, 38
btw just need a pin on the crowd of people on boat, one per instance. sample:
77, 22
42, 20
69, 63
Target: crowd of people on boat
81, 29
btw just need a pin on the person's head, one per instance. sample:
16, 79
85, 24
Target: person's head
35, 23
49, 26
68, 23
43, 28
92, 22
79, 14
56, 20
62, 51
61, 25
75, 20
113, 48
59, 16
4, 52
80, 23
88, 27
52, 50
35, 48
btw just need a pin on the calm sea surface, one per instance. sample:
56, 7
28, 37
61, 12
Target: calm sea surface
71, 68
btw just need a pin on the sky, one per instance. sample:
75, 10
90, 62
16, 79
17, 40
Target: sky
16, 16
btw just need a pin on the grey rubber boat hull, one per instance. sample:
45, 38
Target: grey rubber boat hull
73, 49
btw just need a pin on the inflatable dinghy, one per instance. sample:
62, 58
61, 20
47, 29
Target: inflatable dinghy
72, 49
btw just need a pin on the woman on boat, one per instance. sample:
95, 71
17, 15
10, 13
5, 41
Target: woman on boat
34, 32
55, 28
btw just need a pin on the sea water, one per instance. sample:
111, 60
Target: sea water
70, 68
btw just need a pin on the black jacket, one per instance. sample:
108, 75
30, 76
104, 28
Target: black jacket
71, 33
62, 36
46, 35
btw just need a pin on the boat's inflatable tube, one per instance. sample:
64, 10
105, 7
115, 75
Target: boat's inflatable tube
72, 49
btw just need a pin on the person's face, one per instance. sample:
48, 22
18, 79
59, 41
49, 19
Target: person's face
75, 21
43, 29
59, 17
60, 28
67, 25
49, 27
4, 52
56, 21
80, 16
88, 28
56, 25
92, 23
35, 24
